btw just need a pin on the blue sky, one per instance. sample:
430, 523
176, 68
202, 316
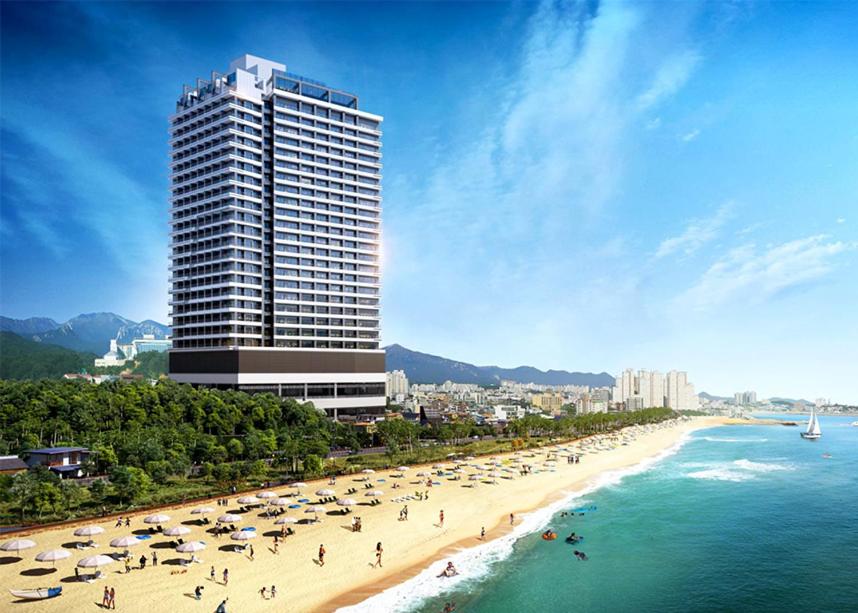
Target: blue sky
588, 186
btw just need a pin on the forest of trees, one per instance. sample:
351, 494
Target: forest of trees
167, 441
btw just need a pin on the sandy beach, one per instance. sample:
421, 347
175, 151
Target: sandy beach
348, 575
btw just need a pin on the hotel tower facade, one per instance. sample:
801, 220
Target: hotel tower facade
275, 239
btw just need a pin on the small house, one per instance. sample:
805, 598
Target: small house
67, 462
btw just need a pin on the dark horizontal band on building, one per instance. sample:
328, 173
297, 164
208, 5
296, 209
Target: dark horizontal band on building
265, 362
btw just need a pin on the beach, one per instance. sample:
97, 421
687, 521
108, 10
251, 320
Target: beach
348, 575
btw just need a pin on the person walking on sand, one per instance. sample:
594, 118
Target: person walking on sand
378, 552
154, 558
483, 533
112, 598
198, 592
321, 555
226, 576
273, 591
441, 519
264, 592
105, 600
276, 545
127, 565
221, 608
251, 552
511, 519
212, 574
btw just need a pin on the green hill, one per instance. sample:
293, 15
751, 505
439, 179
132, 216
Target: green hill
21, 358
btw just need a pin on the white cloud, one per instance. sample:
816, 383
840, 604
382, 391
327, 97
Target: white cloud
653, 124
747, 274
669, 78
841, 220
697, 233
690, 136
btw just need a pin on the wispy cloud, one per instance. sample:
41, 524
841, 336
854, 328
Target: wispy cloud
841, 220
697, 233
669, 78
690, 136
749, 274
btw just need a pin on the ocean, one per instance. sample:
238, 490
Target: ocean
734, 518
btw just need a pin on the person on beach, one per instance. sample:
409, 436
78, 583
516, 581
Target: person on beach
127, 565
441, 519
511, 519
264, 592
212, 574
378, 552
273, 591
118, 522
321, 555
221, 608
276, 545
143, 561
198, 592
154, 559
112, 598
127, 521
226, 576
105, 600
251, 552
483, 533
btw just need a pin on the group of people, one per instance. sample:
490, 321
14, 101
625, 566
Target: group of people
108, 600
265, 592
212, 575
356, 524
223, 502
119, 522
573, 459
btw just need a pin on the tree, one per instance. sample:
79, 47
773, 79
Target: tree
312, 464
130, 483
73, 495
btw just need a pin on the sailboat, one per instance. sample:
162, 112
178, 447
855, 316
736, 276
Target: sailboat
813, 432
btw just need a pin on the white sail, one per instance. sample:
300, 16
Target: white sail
814, 427
810, 422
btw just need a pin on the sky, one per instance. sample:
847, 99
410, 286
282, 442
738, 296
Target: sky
585, 186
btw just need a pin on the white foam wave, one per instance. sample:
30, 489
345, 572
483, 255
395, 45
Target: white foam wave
761, 467
720, 474
724, 439
476, 562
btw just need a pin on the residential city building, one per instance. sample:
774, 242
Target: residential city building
397, 385
275, 214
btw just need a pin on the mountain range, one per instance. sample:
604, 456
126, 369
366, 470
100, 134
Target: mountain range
425, 368
88, 332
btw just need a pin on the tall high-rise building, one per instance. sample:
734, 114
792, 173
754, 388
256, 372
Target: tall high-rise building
276, 221
397, 384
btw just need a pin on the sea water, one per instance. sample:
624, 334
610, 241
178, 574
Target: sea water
735, 518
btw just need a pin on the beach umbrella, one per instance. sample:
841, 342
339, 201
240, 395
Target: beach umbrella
202, 510
95, 561
368, 471
375, 493
266, 495
177, 531
286, 520
475, 477
88, 531
326, 493
401, 469
53, 555
346, 502
228, 518
494, 473
157, 518
422, 473
437, 466
281, 502
298, 485
315, 511
243, 535
125, 541
248, 500
17, 545
191, 547
469, 458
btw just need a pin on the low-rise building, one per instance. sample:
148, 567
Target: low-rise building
11, 464
67, 462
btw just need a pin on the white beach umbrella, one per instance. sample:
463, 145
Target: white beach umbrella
346, 502
286, 520
469, 458
374, 493
402, 469
202, 510
281, 502
266, 495
315, 511
191, 547
248, 500
422, 473
125, 541
494, 474
368, 471
177, 531
475, 477
95, 561
326, 493
157, 518
17, 545
53, 555
298, 485
243, 535
88, 531
437, 466
228, 518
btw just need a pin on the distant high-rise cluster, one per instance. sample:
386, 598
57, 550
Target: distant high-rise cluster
651, 388
744, 398
397, 385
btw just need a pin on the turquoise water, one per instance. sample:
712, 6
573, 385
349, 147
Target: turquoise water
739, 519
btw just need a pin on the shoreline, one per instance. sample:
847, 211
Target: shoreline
358, 594
348, 576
